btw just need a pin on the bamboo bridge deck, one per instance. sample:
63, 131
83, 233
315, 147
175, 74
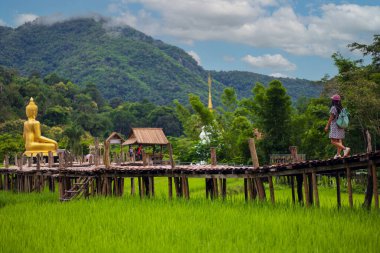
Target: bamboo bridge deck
110, 181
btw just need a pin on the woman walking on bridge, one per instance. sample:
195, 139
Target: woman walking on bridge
336, 134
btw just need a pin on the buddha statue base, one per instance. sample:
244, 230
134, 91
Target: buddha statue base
35, 153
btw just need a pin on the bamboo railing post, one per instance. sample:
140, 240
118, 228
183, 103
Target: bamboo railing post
60, 160
255, 161
96, 157
19, 162
50, 159
374, 180
349, 186
6, 161
315, 188
30, 161
16, 160
338, 189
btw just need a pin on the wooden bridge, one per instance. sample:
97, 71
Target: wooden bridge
76, 180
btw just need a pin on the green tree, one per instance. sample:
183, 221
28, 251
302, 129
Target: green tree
273, 107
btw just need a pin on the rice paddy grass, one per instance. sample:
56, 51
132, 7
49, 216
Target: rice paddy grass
38, 222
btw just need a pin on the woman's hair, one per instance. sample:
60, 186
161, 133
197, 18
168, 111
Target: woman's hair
337, 104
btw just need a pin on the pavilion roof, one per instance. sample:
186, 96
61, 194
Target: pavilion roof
147, 136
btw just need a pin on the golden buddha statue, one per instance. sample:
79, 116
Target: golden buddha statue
34, 142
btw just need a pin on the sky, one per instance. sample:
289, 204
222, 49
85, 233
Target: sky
281, 38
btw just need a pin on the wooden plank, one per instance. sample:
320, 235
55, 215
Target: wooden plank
315, 188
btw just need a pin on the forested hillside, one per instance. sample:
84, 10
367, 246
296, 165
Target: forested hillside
122, 62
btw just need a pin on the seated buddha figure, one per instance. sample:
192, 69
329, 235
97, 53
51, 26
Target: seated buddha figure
34, 142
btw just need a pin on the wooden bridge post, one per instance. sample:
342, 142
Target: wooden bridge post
349, 186
246, 189
374, 180
299, 178
315, 188
293, 192
338, 189
185, 187
141, 194
212, 183
271, 189
306, 189
224, 188
256, 165
172, 165
133, 190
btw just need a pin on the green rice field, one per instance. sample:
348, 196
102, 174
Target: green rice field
38, 222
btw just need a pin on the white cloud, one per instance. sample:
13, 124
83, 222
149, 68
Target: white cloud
2, 23
228, 58
263, 23
280, 75
275, 61
23, 18
195, 57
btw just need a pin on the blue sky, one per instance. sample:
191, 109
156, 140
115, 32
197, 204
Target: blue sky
274, 37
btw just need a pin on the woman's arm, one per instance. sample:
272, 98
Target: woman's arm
329, 122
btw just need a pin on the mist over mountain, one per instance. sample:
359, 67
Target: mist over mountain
123, 62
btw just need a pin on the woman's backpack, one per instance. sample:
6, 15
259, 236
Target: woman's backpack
343, 119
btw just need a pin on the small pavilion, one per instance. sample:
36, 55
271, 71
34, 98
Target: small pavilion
148, 137
114, 138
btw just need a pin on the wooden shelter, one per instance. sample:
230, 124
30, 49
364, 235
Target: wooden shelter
148, 137
114, 138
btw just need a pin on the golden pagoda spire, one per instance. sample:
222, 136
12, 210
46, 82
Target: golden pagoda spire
209, 93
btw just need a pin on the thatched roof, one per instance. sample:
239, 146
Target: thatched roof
115, 138
147, 136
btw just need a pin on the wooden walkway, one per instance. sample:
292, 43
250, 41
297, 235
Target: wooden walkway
87, 180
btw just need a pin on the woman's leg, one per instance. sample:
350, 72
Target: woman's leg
338, 144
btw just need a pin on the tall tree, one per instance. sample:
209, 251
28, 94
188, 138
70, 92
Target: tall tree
273, 107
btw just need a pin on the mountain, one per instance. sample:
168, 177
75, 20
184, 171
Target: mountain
122, 62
